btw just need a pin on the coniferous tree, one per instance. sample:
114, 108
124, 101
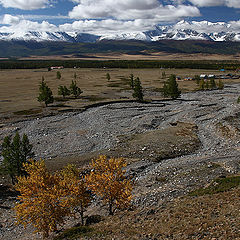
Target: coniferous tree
15, 153
163, 75
108, 76
131, 81
75, 90
212, 84
137, 90
75, 76
45, 93
220, 84
202, 84
170, 88
64, 91
206, 85
197, 79
58, 75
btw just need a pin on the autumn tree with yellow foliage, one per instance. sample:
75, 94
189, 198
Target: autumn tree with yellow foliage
45, 198
42, 201
75, 187
108, 181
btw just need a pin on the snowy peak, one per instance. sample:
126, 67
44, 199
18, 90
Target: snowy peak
36, 36
182, 30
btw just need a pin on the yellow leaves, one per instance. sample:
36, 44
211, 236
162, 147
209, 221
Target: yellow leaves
108, 181
47, 198
43, 200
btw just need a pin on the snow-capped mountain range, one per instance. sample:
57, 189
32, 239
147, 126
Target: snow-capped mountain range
183, 30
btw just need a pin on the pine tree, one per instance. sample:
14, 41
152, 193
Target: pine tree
108, 76
212, 84
202, 84
206, 85
58, 75
137, 90
220, 84
64, 91
163, 75
197, 79
15, 153
131, 81
75, 90
45, 93
170, 88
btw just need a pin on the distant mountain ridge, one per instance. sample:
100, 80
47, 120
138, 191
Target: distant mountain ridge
183, 30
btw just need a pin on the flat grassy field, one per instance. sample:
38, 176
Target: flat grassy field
19, 88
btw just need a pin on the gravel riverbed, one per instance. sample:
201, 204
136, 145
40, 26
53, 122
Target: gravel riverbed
99, 128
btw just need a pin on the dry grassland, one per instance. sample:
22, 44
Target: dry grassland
19, 88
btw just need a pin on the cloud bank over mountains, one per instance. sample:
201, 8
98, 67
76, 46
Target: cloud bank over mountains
113, 16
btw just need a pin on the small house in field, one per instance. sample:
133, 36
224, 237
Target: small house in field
211, 76
57, 67
204, 76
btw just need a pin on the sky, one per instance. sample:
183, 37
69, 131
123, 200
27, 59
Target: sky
113, 16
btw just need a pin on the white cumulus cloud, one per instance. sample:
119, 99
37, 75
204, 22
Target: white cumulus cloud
211, 3
10, 20
131, 10
25, 4
26, 25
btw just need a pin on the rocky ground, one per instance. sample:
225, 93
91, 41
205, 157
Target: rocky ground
214, 115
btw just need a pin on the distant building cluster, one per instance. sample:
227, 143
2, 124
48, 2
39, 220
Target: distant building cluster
210, 76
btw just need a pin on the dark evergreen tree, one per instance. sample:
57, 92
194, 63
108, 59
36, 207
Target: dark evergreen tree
75, 76
45, 93
212, 84
75, 90
59, 75
202, 84
206, 85
131, 81
108, 76
220, 84
137, 90
197, 79
163, 75
16, 152
64, 91
170, 88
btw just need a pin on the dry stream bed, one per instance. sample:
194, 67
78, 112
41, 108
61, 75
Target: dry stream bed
172, 147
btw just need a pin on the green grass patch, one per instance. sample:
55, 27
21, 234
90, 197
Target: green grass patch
75, 233
28, 112
219, 185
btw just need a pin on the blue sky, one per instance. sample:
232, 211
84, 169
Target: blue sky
101, 16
